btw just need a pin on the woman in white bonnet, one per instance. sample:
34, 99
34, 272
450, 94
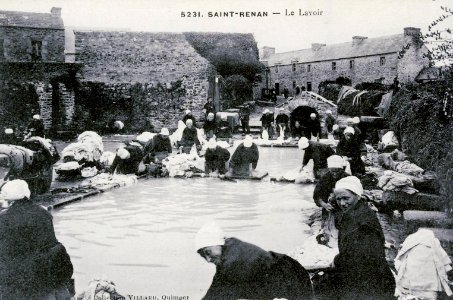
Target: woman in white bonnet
36, 127
349, 147
34, 265
361, 270
216, 158
245, 158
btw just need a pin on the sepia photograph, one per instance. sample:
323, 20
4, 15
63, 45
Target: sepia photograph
243, 149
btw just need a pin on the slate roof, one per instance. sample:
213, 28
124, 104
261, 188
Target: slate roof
428, 74
28, 19
367, 47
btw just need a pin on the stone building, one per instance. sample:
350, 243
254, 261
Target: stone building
361, 60
34, 77
145, 79
86, 79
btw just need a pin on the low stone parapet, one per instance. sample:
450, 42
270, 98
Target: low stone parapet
415, 219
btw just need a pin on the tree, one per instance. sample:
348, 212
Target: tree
237, 89
235, 57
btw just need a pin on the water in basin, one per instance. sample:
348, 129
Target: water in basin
142, 236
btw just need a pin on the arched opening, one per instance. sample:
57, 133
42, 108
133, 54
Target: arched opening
19, 102
302, 114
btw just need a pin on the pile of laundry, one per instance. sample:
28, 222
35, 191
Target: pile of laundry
86, 152
373, 195
106, 180
388, 141
100, 289
394, 181
45, 144
422, 265
106, 159
372, 156
223, 144
17, 157
312, 255
390, 161
145, 138
278, 141
297, 176
408, 168
184, 165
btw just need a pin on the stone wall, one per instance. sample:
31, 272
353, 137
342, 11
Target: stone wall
17, 44
155, 75
67, 100
141, 106
44, 92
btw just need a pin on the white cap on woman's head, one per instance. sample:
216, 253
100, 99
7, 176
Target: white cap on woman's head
118, 124
123, 153
209, 235
9, 131
164, 131
349, 130
356, 120
266, 111
15, 190
248, 141
335, 161
350, 183
303, 143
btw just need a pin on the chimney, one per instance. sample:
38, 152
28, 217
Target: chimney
357, 39
266, 52
412, 31
56, 11
317, 46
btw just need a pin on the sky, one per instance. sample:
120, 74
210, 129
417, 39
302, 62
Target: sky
338, 22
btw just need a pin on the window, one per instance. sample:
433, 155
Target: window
334, 66
308, 86
2, 51
294, 84
276, 69
294, 67
308, 68
382, 60
36, 47
351, 64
